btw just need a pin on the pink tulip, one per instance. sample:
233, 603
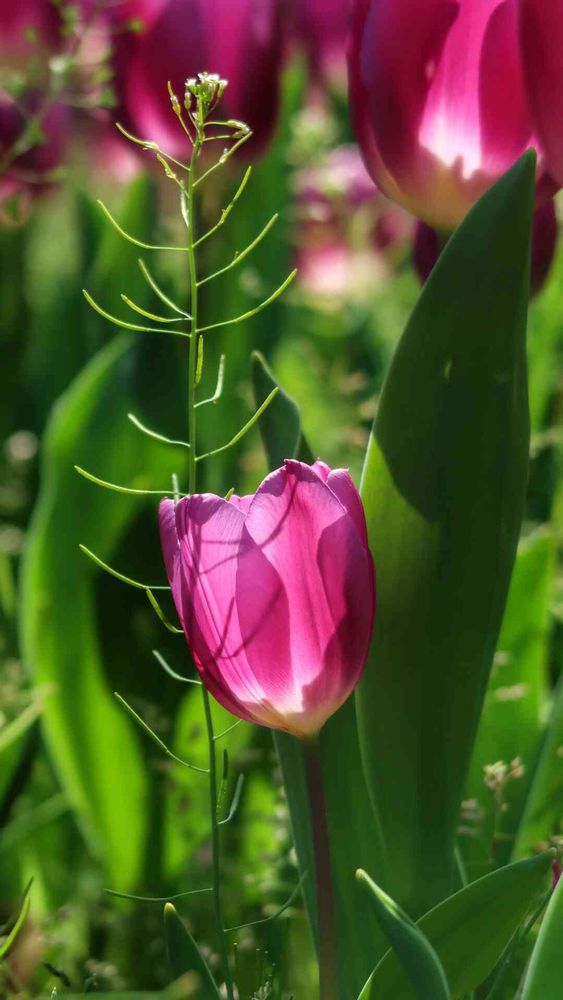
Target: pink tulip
26, 28
438, 98
30, 173
239, 39
275, 592
322, 26
541, 25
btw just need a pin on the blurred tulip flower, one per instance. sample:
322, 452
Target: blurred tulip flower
322, 27
32, 145
347, 232
438, 99
26, 27
276, 594
545, 229
241, 40
541, 27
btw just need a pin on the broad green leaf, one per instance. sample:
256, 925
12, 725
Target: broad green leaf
470, 930
513, 717
353, 827
413, 951
443, 488
92, 744
185, 957
543, 979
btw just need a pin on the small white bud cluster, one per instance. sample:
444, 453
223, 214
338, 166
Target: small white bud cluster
207, 89
498, 774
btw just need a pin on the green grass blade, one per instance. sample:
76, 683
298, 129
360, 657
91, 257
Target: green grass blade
543, 979
185, 957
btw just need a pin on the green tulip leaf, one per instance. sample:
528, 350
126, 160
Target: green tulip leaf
414, 952
543, 979
444, 487
185, 957
470, 930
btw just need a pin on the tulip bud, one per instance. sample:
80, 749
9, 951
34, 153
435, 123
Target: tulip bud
437, 120
427, 247
179, 39
275, 593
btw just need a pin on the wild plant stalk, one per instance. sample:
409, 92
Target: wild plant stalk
198, 122
201, 97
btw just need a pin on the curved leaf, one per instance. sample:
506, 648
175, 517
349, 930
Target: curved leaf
414, 952
185, 957
543, 980
470, 930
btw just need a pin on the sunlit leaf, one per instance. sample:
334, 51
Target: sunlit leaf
443, 488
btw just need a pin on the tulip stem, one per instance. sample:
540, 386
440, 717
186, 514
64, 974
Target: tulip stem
328, 968
216, 846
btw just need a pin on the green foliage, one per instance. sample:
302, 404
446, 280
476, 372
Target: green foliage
86, 731
444, 488
352, 841
513, 719
185, 957
414, 952
470, 930
543, 978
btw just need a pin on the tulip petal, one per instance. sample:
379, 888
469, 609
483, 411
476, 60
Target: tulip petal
242, 503
506, 127
341, 483
292, 618
401, 45
542, 44
209, 533
171, 549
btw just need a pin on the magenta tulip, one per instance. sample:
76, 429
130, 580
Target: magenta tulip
239, 39
322, 26
27, 27
31, 171
542, 45
438, 98
275, 592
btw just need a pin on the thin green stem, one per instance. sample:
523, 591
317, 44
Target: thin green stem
216, 846
328, 967
189, 216
192, 354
